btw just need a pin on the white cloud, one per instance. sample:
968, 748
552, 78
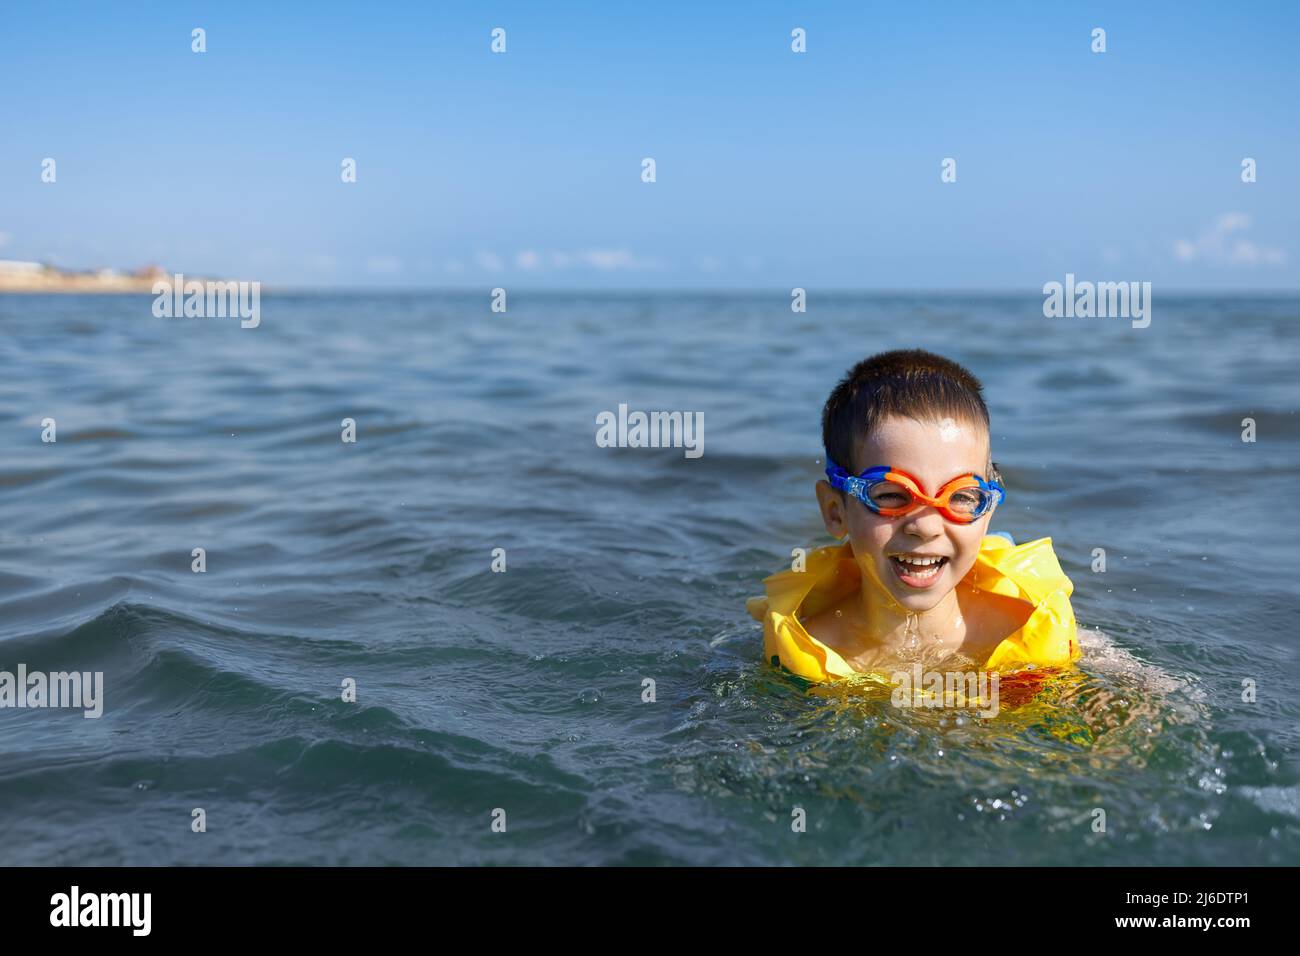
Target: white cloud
1220, 244
383, 265
608, 260
1232, 222
611, 260
4, 239
533, 260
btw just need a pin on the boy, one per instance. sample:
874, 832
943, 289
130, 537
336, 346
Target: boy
912, 485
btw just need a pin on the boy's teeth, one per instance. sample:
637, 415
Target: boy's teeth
919, 562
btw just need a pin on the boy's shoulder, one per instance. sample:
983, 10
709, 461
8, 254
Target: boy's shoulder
833, 627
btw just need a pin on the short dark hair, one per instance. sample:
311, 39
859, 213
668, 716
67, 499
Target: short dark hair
912, 383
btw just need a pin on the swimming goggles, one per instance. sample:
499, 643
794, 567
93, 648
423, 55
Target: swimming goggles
890, 493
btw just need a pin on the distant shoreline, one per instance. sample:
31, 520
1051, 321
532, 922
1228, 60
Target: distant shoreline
77, 289
18, 276
39, 278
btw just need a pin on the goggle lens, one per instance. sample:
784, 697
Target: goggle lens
970, 502
888, 496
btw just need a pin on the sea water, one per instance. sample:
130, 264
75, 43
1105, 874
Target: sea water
538, 625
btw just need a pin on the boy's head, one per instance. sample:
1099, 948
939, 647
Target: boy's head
924, 415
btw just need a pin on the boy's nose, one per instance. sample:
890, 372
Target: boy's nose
924, 522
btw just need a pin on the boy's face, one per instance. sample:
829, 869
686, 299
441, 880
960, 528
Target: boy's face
933, 453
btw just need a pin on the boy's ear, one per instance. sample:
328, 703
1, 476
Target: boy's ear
833, 505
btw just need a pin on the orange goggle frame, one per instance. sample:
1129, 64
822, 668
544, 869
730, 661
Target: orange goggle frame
987, 493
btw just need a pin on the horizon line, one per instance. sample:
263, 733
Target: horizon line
755, 291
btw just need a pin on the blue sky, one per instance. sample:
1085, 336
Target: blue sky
774, 169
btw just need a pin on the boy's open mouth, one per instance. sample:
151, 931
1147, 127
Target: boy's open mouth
917, 570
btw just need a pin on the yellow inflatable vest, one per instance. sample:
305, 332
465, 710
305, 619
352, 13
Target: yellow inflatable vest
1028, 572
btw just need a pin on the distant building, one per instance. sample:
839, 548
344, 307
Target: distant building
17, 267
18, 276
